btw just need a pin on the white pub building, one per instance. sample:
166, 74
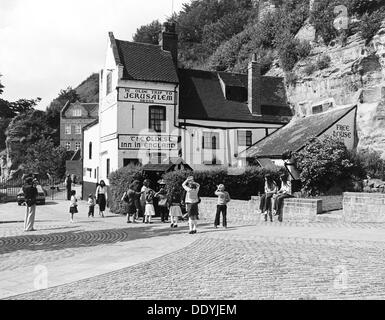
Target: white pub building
152, 112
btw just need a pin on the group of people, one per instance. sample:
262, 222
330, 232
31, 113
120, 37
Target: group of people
100, 198
140, 201
272, 200
176, 206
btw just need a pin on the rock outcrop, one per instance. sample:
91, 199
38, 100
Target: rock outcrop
355, 75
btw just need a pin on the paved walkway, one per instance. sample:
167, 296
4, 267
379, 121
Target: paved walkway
109, 259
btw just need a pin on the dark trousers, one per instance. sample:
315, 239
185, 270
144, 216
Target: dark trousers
265, 204
91, 210
163, 213
223, 209
279, 204
68, 192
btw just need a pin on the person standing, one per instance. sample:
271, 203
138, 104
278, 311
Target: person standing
283, 193
270, 189
102, 197
68, 183
30, 194
162, 202
150, 210
131, 198
175, 210
91, 205
192, 200
73, 205
223, 200
142, 200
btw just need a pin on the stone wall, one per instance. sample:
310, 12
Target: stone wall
363, 207
247, 212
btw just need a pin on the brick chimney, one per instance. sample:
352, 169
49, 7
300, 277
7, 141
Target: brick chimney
254, 86
169, 40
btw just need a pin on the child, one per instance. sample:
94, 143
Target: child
91, 205
73, 205
149, 209
175, 210
223, 200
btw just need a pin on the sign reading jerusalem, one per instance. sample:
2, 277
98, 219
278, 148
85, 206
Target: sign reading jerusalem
146, 95
147, 142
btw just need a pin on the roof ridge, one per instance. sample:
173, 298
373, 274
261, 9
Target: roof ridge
141, 43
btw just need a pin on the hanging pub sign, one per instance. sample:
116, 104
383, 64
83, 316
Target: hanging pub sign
147, 142
146, 95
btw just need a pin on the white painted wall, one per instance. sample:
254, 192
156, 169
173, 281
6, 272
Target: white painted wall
344, 130
91, 135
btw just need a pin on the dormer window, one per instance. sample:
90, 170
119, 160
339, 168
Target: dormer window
77, 112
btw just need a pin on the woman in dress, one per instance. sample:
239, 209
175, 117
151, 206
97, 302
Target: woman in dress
102, 197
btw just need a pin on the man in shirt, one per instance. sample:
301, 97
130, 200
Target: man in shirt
30, 194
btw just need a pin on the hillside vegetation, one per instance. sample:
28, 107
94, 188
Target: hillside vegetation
222, 35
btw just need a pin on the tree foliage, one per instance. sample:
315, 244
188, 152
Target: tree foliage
148, 33
371, 23
23, 131
44, 157
326, 164
373, 163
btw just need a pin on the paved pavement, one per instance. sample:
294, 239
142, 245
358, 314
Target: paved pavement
109, 259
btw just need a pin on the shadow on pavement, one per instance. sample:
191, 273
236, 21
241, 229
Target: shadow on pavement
77, 239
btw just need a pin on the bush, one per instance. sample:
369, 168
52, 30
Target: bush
372, 163
310, 68
326, 164
323, 62
370, 24
291, 78
242, 186
119, 183
291, 50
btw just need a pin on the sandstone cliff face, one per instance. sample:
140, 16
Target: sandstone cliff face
356, 75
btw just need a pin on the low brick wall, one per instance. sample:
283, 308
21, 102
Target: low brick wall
363, 207
239, 211
300, 209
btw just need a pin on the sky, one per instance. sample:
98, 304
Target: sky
48, 45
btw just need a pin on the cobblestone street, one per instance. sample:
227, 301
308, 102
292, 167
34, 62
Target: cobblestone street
109, 259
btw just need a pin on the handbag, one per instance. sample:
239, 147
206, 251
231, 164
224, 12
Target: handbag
162, 202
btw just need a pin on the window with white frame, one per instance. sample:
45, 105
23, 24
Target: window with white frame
77, 112
77, 146
157, 118
245, 138
68, 146
68, 129
210, 140
78, 129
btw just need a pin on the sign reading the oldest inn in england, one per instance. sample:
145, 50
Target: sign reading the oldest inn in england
148, 142
146, 96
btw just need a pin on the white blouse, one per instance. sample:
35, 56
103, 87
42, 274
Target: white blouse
101, 190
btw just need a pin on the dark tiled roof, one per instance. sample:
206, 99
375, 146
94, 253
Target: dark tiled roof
91, 124
201, 97
145, 62
294, 135
90, 107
